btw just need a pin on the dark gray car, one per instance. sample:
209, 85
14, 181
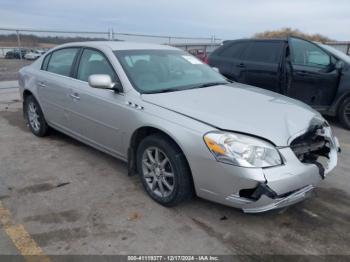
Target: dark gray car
313, 73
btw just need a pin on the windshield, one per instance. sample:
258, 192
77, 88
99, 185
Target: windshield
336, 52
155, 71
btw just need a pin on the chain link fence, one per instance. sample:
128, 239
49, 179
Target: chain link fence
12, 39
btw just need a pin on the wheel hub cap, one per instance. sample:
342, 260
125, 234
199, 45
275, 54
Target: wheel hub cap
157, 171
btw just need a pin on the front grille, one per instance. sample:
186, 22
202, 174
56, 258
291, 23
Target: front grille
305, 148
312, 146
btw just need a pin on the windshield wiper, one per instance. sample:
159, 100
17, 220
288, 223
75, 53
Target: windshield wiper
209, 84
168, 90
165, 90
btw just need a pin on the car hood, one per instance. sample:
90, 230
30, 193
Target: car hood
241, 108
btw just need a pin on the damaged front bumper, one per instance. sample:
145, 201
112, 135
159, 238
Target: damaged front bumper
294, 181
266, 203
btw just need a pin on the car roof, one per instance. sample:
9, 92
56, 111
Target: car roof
257, 40
120, 45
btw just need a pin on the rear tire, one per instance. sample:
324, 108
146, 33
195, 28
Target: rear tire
35, 117
164, 170
344, 113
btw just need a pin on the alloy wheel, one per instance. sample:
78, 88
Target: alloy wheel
33, 116
158, 172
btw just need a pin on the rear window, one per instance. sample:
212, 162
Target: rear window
267, 52
61, 61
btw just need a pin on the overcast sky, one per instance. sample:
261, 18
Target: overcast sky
226, 19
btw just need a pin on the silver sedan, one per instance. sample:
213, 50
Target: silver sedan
179, 124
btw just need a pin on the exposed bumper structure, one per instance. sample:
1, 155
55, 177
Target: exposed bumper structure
265, 203
294, 181
258, 190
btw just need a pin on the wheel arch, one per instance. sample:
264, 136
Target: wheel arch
334, 110
137, 137
341, 110
25, 94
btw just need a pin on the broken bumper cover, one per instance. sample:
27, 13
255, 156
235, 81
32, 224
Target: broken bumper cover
265, 203
262, 189
287, 184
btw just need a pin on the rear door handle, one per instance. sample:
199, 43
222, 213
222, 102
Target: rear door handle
241, 65
75, 96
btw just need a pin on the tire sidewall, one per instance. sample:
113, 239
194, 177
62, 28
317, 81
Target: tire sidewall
173, 156
343, 118
43, 125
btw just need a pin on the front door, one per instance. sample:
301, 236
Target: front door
313, 77
96, 114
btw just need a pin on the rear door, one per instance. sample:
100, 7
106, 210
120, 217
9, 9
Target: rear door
261, 64
314, 78
227, 59
53, 82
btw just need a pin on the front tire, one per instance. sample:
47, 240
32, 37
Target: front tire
164, 171
344, 113
35, 117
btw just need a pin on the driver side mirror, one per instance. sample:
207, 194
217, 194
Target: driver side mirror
104, 82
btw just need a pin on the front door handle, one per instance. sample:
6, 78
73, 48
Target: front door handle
241, 65
41, 84
75, 96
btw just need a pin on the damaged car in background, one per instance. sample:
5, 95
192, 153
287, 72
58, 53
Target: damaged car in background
314, 73
179, 124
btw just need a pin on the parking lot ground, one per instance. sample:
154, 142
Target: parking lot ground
7, 244
73, 199
9, 68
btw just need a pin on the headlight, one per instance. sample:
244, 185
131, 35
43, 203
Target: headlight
242, 150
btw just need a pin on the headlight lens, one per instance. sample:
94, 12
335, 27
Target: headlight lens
242, 150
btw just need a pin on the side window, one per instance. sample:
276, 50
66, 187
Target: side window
308, 54
263, 51
45, 62
234, 50
93, 62
61, 61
